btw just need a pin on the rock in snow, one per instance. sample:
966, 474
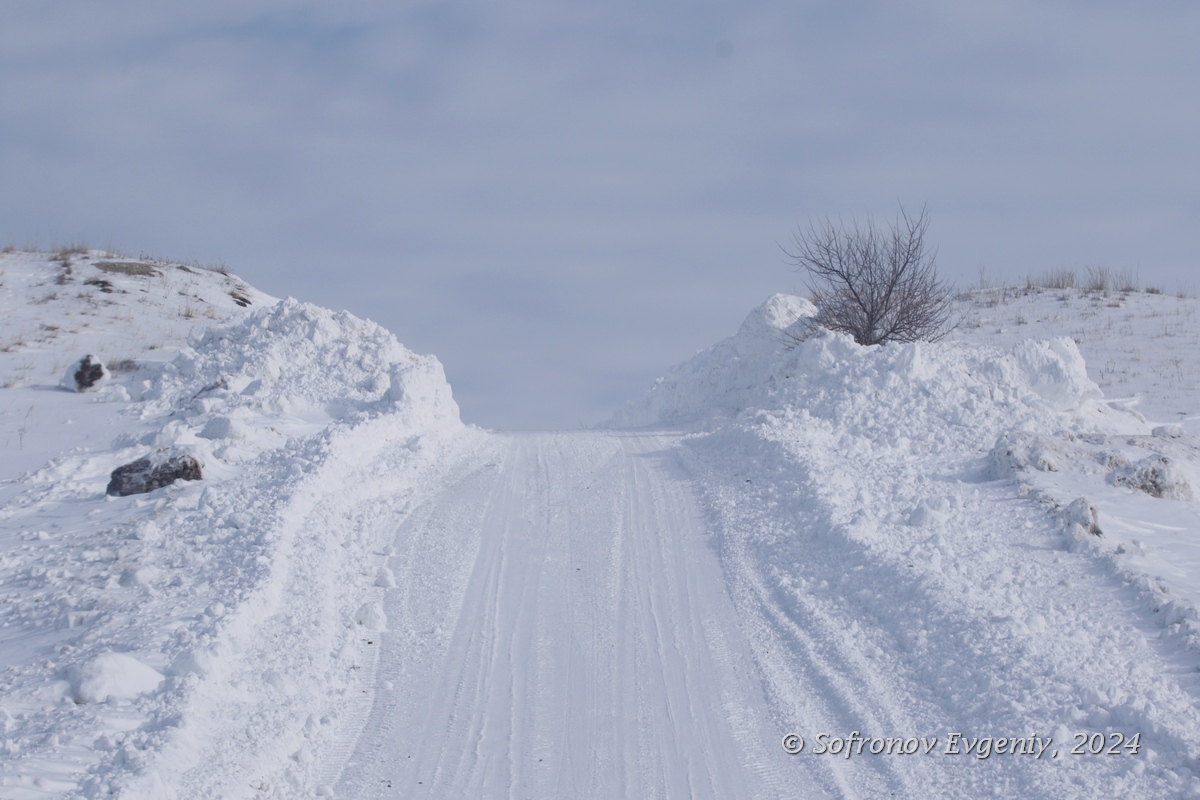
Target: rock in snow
85, 374
155, 471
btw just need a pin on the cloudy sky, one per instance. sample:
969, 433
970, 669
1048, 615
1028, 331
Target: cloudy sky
561, 199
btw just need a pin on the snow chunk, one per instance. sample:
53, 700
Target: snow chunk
1168, 431
1016, 450
385, 578
1083, 514
114, 676
1157, 476
371, 617
194, 660
1055, 371
223, 427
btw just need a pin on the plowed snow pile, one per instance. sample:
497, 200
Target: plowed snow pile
882, 518
204, 636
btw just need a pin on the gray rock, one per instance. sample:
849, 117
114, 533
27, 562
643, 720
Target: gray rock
153, 472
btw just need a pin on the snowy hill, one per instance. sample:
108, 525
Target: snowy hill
144, 635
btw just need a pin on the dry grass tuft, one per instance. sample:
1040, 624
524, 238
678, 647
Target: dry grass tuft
1052, 279
64, 252
122, 365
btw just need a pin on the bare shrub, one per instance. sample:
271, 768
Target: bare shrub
875, 285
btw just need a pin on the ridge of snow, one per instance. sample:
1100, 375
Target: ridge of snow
137, 630
776, 360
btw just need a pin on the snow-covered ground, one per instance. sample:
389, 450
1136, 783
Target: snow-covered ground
206, 635
1140, 470
964, 537
991, 538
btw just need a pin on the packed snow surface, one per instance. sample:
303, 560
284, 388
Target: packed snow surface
959, 569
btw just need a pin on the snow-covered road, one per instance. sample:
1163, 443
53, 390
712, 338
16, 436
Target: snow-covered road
601, 614
590, 650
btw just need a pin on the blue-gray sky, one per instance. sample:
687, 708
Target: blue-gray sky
559, 200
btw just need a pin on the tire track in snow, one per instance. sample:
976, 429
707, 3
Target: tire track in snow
674, 590
593, 650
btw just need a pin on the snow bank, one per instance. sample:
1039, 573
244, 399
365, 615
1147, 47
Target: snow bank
200, 636
915, 519
724, 378
287, 369
336, 423
299, 360
778, 360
